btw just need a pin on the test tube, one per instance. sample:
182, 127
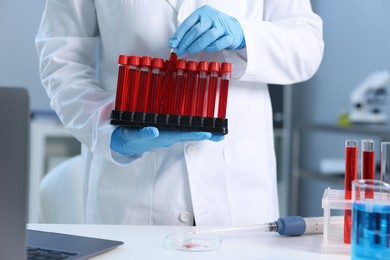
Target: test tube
120, 89
368, 162
190, 93
201, 88
167, 86
144, 83
155, 85
385, 162
176, 100
126, 86
133, 79
212, 88
226, 71
351, 166
351, 172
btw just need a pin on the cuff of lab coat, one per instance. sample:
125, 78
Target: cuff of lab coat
122, 160
248, 66
245, 60
239, 59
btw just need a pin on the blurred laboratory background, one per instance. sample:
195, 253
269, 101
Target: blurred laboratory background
311, 118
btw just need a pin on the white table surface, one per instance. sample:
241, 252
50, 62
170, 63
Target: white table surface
147, 242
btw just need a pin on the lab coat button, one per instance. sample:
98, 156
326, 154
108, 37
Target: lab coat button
185, 216
191, 150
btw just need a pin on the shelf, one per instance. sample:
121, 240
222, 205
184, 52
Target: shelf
377, 130
317, 175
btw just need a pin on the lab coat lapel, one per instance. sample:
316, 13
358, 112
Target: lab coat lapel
180, 6
185, 8
235, 8
174, 3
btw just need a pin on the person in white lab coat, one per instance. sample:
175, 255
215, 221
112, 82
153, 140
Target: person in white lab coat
130, 180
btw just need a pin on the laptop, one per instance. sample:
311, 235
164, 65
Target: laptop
17, 242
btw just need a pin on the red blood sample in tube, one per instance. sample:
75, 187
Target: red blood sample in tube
190, 93
155, 85
144, 83
133, 83
126, 86
368, 164
226, 71
122, 61
351, 172
176, 105
351, 166
167, 86
201, 88
212, 88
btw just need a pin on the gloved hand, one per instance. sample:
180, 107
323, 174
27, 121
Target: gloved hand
207, 29
125, 140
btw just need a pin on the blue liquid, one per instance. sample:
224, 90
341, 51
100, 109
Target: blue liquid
370, 231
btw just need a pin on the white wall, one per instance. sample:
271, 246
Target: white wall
19, 21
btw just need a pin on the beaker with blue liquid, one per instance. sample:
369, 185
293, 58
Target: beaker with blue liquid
370, 237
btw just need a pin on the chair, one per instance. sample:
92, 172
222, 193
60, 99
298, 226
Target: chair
61, 193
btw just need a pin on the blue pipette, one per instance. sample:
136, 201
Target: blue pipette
287, 226
297, 225
210, 239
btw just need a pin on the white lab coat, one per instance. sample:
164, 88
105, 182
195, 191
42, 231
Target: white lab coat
232, 182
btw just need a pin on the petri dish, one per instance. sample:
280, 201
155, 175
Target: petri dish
191, 241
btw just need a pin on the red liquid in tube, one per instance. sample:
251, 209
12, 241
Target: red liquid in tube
155, 85
120, 88
133, 83
351, 173
368, 164
226, 70
212, 88
167, 86
176, 103
201, 88
190, 91
144, 83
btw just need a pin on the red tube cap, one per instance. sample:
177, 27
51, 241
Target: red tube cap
181, 64
133, 60
203, 66
146, 61
226, 67
214, 66
191, 65
157, 63
123, 59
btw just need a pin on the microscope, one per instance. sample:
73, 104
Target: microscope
368, 99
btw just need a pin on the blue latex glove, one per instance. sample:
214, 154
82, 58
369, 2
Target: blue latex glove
207, 29
125, 140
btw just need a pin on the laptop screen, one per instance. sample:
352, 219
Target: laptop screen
14, 146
